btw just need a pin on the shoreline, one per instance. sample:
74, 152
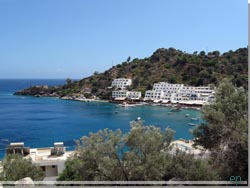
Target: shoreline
181, 106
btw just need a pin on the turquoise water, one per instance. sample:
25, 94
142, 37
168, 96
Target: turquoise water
38, 122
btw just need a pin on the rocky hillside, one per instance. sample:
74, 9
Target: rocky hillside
168, 65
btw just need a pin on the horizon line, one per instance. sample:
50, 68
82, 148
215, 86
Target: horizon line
40, 78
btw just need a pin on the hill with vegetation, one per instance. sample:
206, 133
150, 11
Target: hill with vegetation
167, 65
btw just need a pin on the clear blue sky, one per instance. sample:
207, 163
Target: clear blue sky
74, 38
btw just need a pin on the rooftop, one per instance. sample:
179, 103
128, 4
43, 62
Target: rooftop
187, 146
39, 155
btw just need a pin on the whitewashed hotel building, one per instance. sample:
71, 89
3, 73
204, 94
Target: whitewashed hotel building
134, 95
120, 93
178, 93
162, 91
124, 94
121, 83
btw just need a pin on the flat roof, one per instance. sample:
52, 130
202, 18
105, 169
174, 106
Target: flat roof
17, 144
58, 143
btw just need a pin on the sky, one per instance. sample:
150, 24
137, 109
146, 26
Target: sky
75, 38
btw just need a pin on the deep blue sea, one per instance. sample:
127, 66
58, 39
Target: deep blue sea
39, 122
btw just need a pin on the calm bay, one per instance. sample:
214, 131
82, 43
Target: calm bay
39, 122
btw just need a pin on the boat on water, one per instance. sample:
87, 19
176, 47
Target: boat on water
194, 119
187, 115
176, 108
192, 124
138, 119
127, 105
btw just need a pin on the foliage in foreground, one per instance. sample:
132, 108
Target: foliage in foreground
15, 167
140, 155
225, 132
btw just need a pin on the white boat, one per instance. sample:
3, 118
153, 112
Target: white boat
187, 115
192, 124
138, 119
127, 105
175, 109
194, 119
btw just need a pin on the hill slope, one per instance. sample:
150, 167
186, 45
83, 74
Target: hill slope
168, 65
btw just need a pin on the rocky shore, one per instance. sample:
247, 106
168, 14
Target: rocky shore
39, 91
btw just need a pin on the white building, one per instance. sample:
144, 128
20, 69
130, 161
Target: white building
50, 159
154, 95
134, 95
178, 93
123, 94
119, 94
121, 83
162, 91
166, 87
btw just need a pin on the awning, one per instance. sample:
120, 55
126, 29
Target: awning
156, 101
165, 101
194, 102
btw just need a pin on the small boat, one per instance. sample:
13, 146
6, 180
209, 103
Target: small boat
175, 109
126, 105
138, 119
187, 115
192, 124
194, 119
169, 113
116, 112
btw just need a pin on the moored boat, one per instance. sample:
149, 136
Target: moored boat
192, 124
127, 105
194, 119
176, 109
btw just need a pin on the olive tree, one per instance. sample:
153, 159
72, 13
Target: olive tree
225, 130
140, 155
109, 155
15, 167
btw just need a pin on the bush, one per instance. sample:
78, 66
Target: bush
15, 167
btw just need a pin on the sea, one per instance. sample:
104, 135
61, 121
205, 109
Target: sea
41, 121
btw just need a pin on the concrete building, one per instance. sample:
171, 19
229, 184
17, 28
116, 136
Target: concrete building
121, 83
134, 95
187, 147
119, 94
50, 159
178, 93
124, 94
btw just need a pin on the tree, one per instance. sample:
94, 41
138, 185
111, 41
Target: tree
128, 59
15, 167
98, 158
109, 155
68, 81
225, 130
202, 53
184, 167
140, 155
147, 157
96, 73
